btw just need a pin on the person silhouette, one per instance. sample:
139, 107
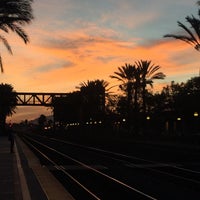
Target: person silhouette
11, 138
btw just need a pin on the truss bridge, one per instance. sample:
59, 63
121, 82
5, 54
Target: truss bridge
37, 99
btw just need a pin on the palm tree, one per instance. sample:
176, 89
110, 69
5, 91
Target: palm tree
129, 77
192, 35
14, 14
7, 103
148, 73
93, 97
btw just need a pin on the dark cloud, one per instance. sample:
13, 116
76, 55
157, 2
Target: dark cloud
152, 42
55, 65
78, 42
106, 59
69, 43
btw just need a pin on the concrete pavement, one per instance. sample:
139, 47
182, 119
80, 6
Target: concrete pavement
23, 178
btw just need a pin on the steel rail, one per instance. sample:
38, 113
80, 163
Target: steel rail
141, 159
125, 156
95, 170
63, 170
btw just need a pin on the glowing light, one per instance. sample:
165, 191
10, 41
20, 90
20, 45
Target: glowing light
148, 117
196, 114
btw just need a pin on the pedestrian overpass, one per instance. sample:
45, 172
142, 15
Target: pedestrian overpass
37, 98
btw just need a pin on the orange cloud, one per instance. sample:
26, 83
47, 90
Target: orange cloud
60, 64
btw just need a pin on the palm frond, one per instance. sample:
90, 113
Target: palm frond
195, 24
190, 38
20, 32
153, 69
116, 77
6, 44
19, 11
1, 64
148, 71
4, 28
188, 30
158, 75
13, 15
184, 38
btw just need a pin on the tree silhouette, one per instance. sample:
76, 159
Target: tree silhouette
8, 101
14, 14
192, 35
148, 72
129, 77
190, 96
41, 121
180, 101
93, 98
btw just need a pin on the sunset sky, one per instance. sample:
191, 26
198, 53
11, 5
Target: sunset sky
72, 41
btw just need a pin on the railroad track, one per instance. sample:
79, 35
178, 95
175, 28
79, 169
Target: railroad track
93, 173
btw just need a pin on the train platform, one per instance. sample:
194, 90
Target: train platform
23, 178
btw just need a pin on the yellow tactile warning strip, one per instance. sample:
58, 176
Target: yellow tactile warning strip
50, 185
